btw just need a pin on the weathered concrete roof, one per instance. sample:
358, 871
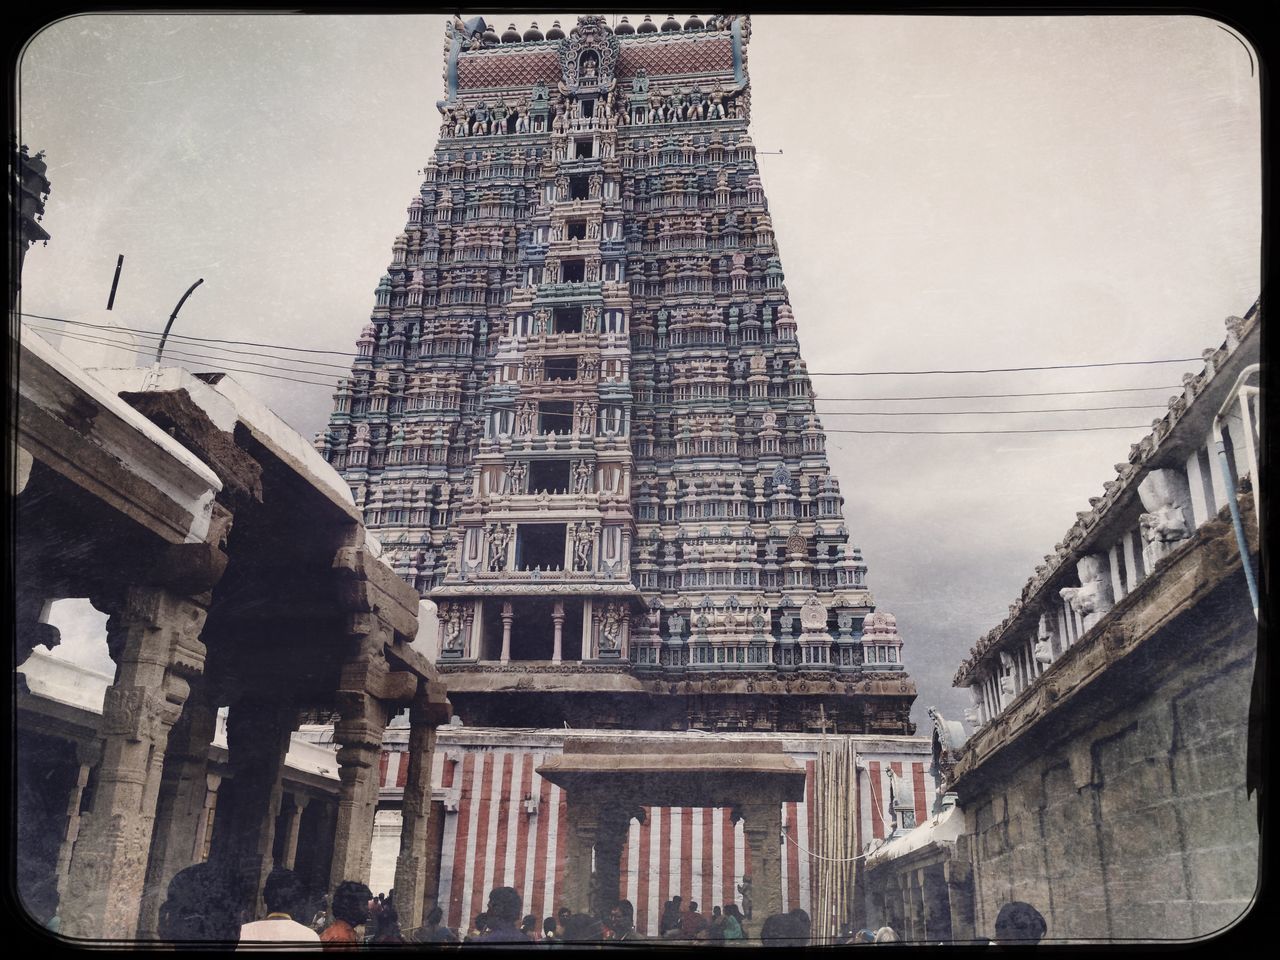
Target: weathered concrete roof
226, 403
182, 488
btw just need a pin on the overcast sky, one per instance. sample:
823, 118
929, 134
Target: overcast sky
952, 193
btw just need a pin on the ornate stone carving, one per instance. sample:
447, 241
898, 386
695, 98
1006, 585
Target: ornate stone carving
1167, 498
1093, 598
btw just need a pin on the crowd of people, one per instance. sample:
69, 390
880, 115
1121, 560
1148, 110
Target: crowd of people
201, 908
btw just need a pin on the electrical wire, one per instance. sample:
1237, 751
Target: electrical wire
975, 432
1054, 366
1001, 396
242, 343
220, 367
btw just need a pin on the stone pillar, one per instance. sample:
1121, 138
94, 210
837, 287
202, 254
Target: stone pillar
762, 828
412, 864
583, 820
959, 879
362, 720
154, 637
258, 734
557, 618
508, 614
211, 784
180, 805
294, 808
611, 837
87, 754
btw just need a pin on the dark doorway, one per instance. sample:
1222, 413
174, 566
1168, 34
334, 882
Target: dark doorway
533, 628
540, 545
549, 476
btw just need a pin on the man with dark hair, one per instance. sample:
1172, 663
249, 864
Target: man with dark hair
1019, 922
349, 910
529, 926
200, 905
504, 915
692, 922
434, 931
285, 896
670, 917
583, 928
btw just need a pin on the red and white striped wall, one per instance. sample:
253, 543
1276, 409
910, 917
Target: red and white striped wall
504, 824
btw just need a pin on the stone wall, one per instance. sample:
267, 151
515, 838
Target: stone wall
1128, 817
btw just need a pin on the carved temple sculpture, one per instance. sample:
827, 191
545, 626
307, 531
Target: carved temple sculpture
627, 356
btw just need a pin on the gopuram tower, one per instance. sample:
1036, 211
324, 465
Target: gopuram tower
578, 419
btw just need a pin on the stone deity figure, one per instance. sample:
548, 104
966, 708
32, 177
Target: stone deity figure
973, 712
481, 114
522, 119
460, 122
589, 67
500, 117
515, 477
657, 112
640, 82
524, 420
540, 320
675, 626
594, 185
1008, 684
716, 109
540, 94
583, 538
558, 125
499, 539
1043, 650
744, 888
697, 105
1167, 498
611, 630
593, 229
581, 477
451, 621
1093, 598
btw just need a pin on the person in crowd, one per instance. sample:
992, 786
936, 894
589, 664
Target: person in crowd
1019, 922
349, 909
786, 930
200, 905
715, 925
387, 929
433, 929
801, 926
670, 917
692, 922
563, 914
733, 922
886, 935
503, 916
479, 927
549, 928
582, 928
529, 927
286, 898
622, 922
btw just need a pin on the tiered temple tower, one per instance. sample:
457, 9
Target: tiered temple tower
578, 419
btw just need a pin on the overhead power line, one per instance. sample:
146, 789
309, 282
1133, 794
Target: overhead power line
106, 331
984, 413
1053, 366
242, 343
221, 367
993, 396
958, 432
